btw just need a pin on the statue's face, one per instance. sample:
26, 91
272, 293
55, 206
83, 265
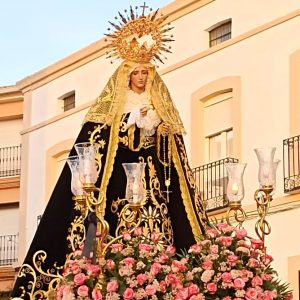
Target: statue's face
138, 79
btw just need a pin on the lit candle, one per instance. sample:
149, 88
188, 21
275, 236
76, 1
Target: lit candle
135, 191
87, 170
235, 188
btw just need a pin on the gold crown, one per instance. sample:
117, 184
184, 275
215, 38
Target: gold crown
139, 38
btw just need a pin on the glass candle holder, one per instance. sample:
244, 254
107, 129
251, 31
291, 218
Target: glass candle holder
76, 184
134, 188
267, 168
235, 186
87, 162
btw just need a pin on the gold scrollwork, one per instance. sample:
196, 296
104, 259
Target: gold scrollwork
77, 233
40, 285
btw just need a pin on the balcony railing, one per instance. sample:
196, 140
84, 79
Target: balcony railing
8, 249
291, 164
10, 161
211, 180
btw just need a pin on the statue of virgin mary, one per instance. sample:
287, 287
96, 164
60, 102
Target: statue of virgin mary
134, 120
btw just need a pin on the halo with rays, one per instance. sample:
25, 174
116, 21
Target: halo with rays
139, 38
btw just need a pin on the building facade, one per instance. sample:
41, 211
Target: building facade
234, 76
11, 115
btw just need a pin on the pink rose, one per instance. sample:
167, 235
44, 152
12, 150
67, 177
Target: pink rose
193, 290
150, 290
162, 286
207, 265
138, 231
79, 279
141, 278
241, 233
179, 266
83, 291
112, 286
227, 298
163, 258
256, 244
226, 240
128, 261
128, 294
170, 249
266, 276
266, 259
172, 280
67, 291
256, 280
110, 264
251, 294
253, 263
96, 294
195, 249
155, 268
226, 277
238, 283
182, 294
126, 236
214, 249
115, 248
93, 270
232, 260
211, 287
224, 227
268, 295
75, 268
211, 233
154, 236
145, 248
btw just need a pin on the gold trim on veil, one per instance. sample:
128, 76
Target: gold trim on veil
108, 107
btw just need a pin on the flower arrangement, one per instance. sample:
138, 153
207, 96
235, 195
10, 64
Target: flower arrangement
224, 264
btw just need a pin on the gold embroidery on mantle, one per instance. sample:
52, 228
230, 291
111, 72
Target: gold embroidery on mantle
155, 215
42, 284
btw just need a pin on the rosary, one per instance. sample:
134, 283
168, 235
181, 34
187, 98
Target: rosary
167, 167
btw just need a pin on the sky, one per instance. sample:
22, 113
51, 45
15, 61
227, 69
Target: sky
36, 33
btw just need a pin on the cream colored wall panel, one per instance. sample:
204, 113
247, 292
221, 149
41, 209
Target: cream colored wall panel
10, 133
87, 82
9, 217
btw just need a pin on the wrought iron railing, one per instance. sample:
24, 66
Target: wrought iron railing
8, 249
10, 161
291, 164
211, 180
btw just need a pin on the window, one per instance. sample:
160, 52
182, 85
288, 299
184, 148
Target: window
220, 145
219, 33
68, 100
218, 127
